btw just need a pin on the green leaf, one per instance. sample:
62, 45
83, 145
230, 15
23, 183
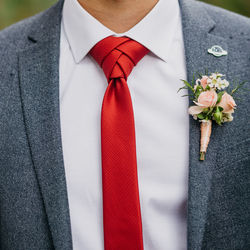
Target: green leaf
198, 91
210, 112
199, 88
207, 88
182, 89
188, 85
220, 94
220, 108
217, 116
199, 75
239, 86
201, 116
193, 80
191, 96
206, 110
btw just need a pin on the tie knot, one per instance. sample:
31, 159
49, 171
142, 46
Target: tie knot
118, 55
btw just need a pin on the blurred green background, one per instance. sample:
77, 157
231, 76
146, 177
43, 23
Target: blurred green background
12, 11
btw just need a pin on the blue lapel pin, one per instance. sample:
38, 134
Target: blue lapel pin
217, 51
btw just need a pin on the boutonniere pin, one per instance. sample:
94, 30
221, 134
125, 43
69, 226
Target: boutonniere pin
212, 103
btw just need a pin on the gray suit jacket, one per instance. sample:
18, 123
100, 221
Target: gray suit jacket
34, 211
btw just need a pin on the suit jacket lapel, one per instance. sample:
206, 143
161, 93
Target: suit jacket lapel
39, 86
198, 38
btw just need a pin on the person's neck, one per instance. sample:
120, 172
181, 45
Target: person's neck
118, 15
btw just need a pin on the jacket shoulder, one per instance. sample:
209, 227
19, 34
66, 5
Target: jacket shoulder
228, 22
14, 37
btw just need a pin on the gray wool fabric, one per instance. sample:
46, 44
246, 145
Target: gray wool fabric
34, 211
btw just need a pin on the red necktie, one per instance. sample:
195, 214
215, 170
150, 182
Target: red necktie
121, 206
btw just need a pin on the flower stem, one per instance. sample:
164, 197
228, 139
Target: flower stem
202, 156
206, 129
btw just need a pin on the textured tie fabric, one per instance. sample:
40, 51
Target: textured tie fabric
121, 206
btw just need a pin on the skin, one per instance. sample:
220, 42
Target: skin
118, 15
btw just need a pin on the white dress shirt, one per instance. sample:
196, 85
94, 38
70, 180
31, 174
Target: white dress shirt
161, 125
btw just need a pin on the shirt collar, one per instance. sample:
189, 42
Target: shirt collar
155, 31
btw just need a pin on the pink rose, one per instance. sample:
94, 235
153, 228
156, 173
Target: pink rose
195, 110
207, 99
227, 103
204, 82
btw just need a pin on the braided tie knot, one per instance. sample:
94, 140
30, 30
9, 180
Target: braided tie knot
117, 56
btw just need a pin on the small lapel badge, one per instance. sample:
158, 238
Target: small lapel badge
217, 51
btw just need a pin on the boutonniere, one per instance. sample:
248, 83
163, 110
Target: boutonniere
212, 103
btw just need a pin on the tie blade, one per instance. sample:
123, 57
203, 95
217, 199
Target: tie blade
121, 205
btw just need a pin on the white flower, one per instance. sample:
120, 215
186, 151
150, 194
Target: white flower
219, 84
215, 81
230, 118
227, 118
212, 83
224, 84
